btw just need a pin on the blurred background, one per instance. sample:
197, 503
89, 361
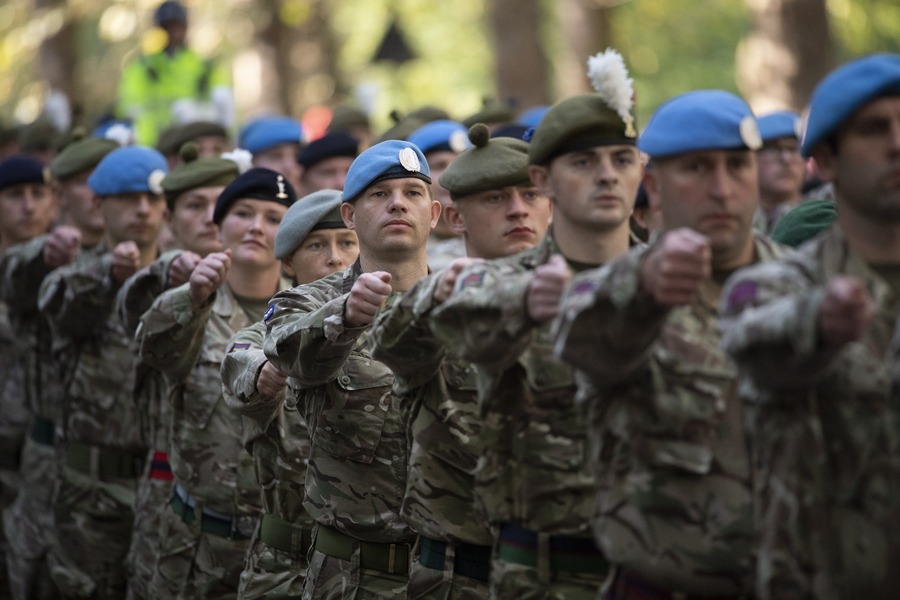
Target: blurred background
302, 57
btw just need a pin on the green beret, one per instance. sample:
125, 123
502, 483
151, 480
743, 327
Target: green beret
80, 156
489, 164
319, 210
804, 222
403, 126
175, 137
197, 172
428, 113
345, 118
492, 113
38, 136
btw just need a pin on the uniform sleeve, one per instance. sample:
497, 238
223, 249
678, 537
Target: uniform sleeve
141, 289
607, 323
170, 334
306, 337
401, 336
240, 370
769, 324
77, 300
23, 271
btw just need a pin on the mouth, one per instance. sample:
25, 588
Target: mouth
607, 199
720, 219
519, 232
397, 224
253, 244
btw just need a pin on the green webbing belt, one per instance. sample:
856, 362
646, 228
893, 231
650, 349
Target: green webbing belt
112, 463
380, 556
279, 534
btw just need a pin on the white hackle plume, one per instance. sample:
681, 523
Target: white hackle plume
241, 157
610, 79
122, 134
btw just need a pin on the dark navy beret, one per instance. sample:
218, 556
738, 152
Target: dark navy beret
20, 169
393, 159
442, 135
259, 184
780, 124
330, 145
129, 169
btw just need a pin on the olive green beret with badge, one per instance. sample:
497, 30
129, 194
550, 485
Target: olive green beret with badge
490, 164
603, 118
319, 210
197, 172
81, 156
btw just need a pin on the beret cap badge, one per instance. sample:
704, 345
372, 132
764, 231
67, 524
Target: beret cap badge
750, 133
154, 181
279, 181
409, 160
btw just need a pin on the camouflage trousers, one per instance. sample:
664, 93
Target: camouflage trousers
271, 574
426, 583
193, 564
9, 487
93, 524
152, 499
29, 525
331, 578
512, 581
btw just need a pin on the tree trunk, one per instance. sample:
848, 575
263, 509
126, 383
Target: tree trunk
788, 53
58, 60
586, 30
521, 64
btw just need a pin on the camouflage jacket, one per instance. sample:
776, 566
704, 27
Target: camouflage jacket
533, 469
443, 252
825, 423
358, 458
99, 380
673, 499
275, 430
439, 401
207, 455
14, 416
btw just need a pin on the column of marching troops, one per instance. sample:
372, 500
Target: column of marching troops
296, 401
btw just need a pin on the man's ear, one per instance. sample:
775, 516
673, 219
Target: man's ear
540, 177
435, 213
454, 219
348, 213
286, 266
823, 155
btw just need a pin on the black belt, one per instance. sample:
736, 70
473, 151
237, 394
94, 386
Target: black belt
567, 553
232, 527
469, 560
42, 431
111, 463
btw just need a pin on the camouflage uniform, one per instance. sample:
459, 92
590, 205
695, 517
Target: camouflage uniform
439, 404
103, 445
533, 480
358, 459
276, 434
673, 501
824, 422
150, 397
206, 532
443, 252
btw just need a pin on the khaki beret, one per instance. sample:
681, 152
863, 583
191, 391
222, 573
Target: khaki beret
490, 164
80, 156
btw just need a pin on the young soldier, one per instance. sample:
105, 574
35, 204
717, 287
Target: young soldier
325, 162
499, 212
275, 143
535, 479
312, 242
103, 449
205, 534
673, 510
318, 336
781, 168
816, 339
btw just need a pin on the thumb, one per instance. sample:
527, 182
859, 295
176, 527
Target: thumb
557, 261
384, 276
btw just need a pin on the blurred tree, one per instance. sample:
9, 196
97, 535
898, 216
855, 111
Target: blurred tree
520, 61
589, 29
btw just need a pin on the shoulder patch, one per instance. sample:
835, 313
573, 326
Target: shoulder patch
583, 287
237, 347
473, 279
269, 312
742, 294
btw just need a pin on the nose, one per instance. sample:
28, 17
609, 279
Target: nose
143, 207
257, 222
517, 207
398, 202
606, 173
720, 181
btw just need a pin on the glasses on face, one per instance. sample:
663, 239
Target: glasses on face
784, 151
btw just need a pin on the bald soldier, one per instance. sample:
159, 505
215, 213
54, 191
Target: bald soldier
815, 336
498, 212
673, 503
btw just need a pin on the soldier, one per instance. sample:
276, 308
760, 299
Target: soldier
27, 204
781, 168
275, 143
29, 522
318, 336
534, 479
103, 449
812, 335
325, 162
672, 508
312, 242
214, 509
191, 191
498, 212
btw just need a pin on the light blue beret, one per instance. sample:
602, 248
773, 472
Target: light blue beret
780, 124
700, 120
129, 169
393, 159
265, 132
532, 117
441, 135
844, 90
319, 210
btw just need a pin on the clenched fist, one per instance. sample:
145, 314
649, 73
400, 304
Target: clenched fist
846, 311
366, 297
546, 288
181, 268
209, 276
126, 261
447, 279
673, 273
62, 246
270, 381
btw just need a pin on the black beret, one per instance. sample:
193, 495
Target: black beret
260, 184
20, 169
328, 146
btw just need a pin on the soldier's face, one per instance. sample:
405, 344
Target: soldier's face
392, 217
211, 145
713, 192
500, 222
865, 168
593, 188
437, 164
191, 220
322, 253
329, 174
248, 230
76, 200
781, 169
281, 158
26, 211
135, 217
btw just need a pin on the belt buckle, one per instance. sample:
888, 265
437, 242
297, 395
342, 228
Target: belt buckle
392, 557
244, 525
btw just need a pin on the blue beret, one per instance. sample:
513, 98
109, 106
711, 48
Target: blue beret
20, 169
532, 117
328, 146
780, 124
393, 159
119, 130
260, 184
442, 135
700, 120
844, 90
263, 133
129, 169
319, 210
170, 11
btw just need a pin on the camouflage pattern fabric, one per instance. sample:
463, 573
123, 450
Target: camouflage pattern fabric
443, 252
331, 578
824, 423
673, 498
276, 434
13, 429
